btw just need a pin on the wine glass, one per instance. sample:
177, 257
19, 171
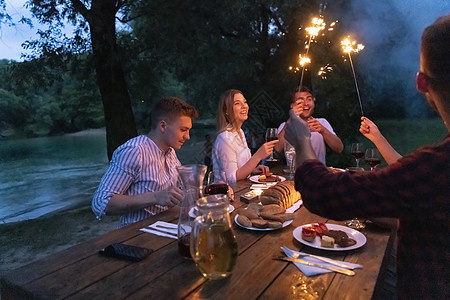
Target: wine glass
372, 158
357, 151
216, 183
289, 151
271, 135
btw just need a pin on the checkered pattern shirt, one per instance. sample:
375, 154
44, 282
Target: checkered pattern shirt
415, 190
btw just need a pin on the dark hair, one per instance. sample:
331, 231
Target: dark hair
225, 114
299, 90
169, 108
436, 54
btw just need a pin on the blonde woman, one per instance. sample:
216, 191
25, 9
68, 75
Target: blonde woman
231, 154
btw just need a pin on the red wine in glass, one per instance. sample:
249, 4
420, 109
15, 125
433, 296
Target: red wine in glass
372, 158
357, 151
184, 245
216, 188
271, 135
373, 162
358, 154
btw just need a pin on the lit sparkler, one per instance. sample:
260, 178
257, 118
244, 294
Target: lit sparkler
348, 47
317, 25
324, 70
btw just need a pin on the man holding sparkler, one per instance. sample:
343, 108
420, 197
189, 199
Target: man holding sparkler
303, 102
414, 189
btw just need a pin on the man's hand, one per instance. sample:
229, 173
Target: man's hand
169, 197
297, 106
297, 130
315, 125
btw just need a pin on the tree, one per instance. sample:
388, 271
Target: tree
100, 18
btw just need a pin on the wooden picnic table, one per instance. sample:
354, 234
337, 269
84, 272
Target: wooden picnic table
81, 273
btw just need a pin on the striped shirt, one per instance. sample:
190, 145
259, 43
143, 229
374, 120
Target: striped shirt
137, 167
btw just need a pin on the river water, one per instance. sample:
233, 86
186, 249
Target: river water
42, 175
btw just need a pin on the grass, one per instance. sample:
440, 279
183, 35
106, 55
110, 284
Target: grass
404, 135
23, 242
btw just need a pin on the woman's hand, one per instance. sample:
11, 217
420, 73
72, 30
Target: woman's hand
266, 149
261, 169
369, 129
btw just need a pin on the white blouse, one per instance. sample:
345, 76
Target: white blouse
230, 152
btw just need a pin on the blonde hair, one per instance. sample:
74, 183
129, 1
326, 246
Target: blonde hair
225, 113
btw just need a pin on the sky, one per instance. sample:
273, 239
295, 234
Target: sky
12, 37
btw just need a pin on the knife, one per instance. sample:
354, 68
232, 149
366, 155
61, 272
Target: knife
158, 232
294, 254
304, 262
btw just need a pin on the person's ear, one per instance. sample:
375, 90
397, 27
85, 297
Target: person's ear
422, 82
162, 125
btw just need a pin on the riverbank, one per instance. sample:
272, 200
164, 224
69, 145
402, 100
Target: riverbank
26, 241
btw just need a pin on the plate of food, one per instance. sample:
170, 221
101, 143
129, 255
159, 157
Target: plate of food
263, 217
193, 213
267, 178
336, 170
332, 237
264, 223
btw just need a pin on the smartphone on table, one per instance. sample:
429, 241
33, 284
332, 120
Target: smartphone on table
126, 252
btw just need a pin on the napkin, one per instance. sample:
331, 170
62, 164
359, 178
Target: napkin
161, 228
295, 207
311, 271
262, 186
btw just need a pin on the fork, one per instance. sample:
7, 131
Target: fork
293, 254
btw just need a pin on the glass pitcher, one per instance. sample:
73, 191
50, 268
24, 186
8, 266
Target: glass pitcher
213, 243
191, 177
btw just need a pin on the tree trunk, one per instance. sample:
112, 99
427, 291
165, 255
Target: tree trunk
119, 119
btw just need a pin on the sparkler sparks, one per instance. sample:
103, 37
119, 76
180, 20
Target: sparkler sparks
350, 46
323, 71
317, 25
303, 60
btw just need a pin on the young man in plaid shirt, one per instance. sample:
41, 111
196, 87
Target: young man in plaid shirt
415, 189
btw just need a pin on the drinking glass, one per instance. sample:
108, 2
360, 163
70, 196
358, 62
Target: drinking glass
372, 158
271, 135
357, 151
216, 183
289, 152
355, 223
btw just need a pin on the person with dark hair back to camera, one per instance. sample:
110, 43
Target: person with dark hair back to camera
415, 188
303, 102
142, 175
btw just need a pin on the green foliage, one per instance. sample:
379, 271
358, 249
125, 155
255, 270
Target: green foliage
37, 99
198, 49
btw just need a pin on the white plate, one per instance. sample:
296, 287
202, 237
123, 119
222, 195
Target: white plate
255, 178
193, 213
352, 233
260, 229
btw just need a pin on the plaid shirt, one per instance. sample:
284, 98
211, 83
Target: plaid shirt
416, 190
